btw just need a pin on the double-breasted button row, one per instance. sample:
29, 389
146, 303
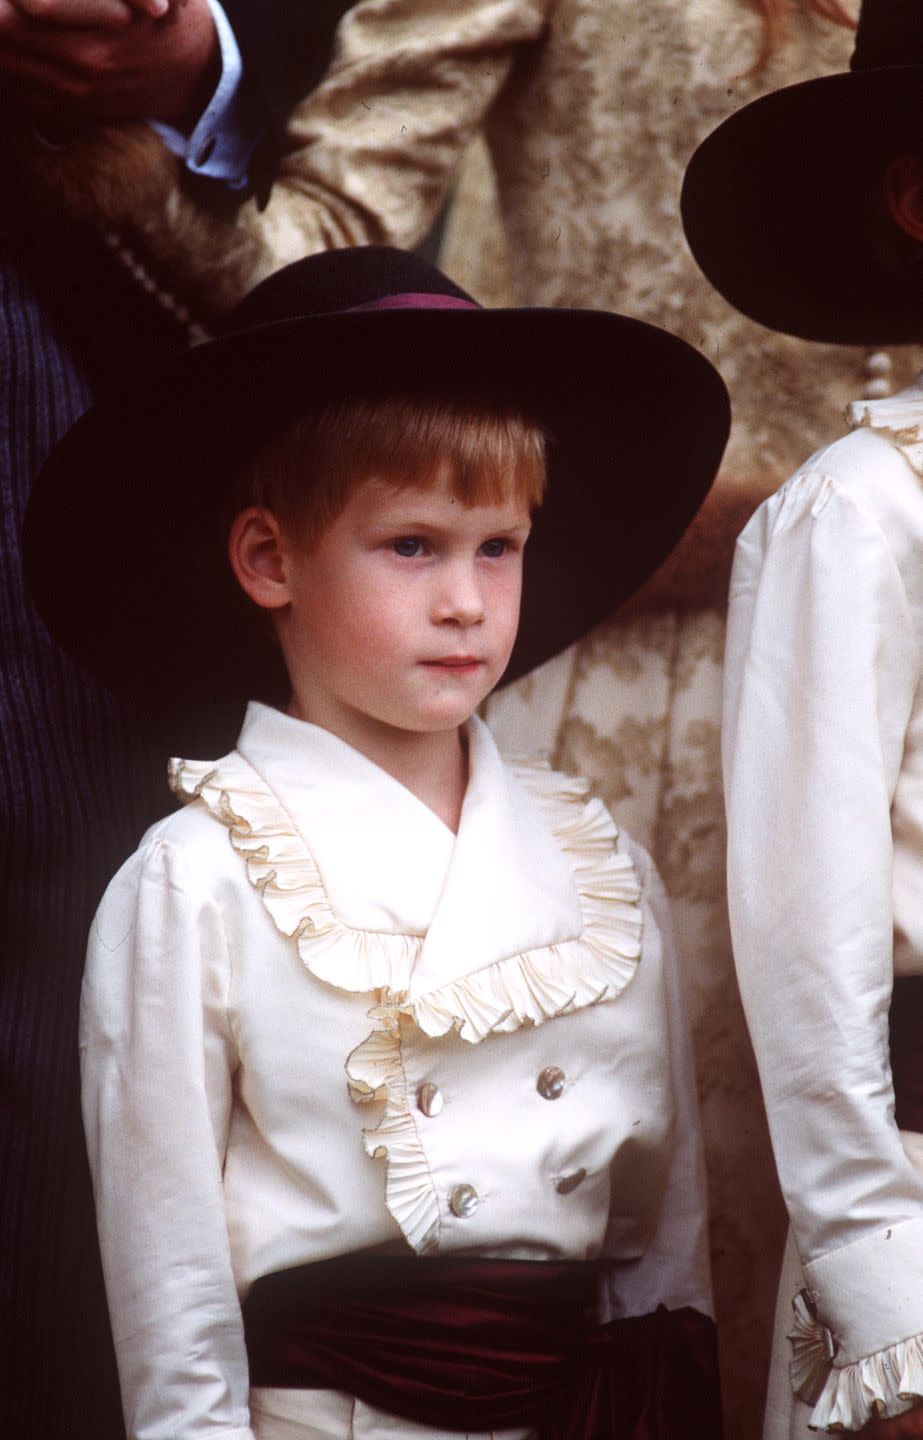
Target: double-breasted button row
550, 1083
429, 1099
463, 1201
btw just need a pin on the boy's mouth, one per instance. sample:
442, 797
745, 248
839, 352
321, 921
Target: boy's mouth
458, 663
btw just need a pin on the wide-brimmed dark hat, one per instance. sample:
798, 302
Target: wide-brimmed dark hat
783, 204
125, 534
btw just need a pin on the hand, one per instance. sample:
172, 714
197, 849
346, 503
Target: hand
902, 1427
89, 12
122, 69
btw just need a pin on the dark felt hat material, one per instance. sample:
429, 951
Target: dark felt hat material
783, 203
125, 533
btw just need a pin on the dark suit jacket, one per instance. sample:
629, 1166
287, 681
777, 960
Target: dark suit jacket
286, 47
80, 776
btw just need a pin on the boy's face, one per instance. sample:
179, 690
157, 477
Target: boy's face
405, 611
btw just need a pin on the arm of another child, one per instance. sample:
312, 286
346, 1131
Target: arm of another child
157, 1056
822, 669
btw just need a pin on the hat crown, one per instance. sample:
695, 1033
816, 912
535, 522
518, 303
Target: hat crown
890, 32
335, 281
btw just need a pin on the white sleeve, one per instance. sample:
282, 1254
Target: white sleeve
675, 1269
822, 667
157, 1057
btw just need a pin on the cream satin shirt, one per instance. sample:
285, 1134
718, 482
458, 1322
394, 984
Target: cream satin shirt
823, 756
315, 1021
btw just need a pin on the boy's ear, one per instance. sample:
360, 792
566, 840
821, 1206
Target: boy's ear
256, 551
903, 187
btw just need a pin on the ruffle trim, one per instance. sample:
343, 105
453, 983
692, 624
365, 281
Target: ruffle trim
375, 1071
898, 419
540, 984
531, 987
846, 1397
283, 870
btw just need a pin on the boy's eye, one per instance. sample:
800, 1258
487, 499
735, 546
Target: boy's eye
493, 549
408, 546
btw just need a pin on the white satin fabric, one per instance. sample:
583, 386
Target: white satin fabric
222, 1138
823, 760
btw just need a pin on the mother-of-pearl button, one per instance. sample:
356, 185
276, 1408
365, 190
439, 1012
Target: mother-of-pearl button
550, 1083
429, 1098
463, 1201
567, 1183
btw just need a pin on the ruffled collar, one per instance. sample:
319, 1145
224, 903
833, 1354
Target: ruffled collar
536, 912
381, 852
897, 418
379, 895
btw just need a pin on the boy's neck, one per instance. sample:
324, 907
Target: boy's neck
431, 765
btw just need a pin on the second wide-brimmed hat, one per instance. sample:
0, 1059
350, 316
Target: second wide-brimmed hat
125, 534
783, 204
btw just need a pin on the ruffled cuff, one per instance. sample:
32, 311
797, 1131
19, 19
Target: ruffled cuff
857, 1336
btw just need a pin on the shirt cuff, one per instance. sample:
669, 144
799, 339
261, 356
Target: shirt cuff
223, 140
858, 1332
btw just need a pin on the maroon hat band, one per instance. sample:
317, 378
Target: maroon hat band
414, 300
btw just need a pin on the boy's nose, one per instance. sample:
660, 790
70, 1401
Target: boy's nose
460, 599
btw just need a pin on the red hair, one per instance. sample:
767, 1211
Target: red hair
307, 473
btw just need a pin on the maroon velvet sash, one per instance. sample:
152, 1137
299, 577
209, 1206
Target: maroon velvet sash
463, 1344
907, 1051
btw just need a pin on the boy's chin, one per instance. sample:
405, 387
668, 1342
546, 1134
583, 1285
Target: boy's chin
434, 716
437, 723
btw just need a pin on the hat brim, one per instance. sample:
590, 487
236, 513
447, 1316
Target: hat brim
125, 535
783, 208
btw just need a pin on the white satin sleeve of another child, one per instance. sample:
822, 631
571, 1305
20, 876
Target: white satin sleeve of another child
822, 667
156, 1061
675, 1269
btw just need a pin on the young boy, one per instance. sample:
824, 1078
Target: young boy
401, 922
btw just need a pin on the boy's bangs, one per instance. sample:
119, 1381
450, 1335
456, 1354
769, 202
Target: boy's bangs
307, 474
487, 458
